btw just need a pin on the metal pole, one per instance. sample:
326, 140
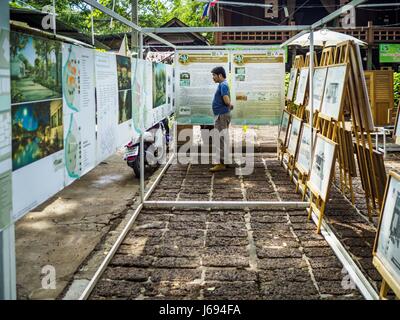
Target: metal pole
8, 287
142, 151
92, 23
311, 98
134, 34
140, 45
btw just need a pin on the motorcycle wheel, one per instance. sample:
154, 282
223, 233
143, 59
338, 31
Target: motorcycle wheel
136, 167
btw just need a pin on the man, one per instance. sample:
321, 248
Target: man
221, 107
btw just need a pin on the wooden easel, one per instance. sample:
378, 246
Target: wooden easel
317, 202
361, 131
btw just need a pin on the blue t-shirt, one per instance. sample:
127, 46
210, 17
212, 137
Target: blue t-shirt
218, 104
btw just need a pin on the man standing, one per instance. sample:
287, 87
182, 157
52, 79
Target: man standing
221, 107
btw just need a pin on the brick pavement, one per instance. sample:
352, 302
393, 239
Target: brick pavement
224, 254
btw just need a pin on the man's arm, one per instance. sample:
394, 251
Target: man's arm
225, 97
227, 102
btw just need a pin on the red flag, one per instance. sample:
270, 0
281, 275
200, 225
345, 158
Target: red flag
213, 3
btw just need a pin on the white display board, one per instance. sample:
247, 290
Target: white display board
124, 73
256, 86
79, 111
5, 124
194, 85
162, 91
107, 104
37, 121
138, 97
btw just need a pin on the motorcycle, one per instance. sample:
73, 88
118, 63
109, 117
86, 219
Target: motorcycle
156, 144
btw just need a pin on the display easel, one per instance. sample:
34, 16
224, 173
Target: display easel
292, 155
361, 125
282, 144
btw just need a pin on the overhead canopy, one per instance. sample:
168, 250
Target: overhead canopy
324, 37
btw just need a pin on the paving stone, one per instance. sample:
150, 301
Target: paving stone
284, 289
285, 275
279, 253
231, 290
184, 242
230, 275
200, 217
319, 252
141, 219
173, 289
315, 243
333, 287
187, 225
329, 274
178, 251
279, 263
276, 243
174, 275
227, 233
226, 250
135, 250
191, 233
150, 225
221, 260
330, 262
131, 261
212, 241
225, 217
271, 227
176, 262
268, 219
127, 273
142, 241
117, 288
303, 226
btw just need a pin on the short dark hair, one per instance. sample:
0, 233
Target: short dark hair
219, 70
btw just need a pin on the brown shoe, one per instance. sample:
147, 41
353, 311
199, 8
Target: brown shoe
218, 167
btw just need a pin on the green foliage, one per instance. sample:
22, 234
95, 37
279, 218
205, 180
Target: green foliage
152, 13
396, 81
287, 77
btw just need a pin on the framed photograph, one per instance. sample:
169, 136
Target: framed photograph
348, 151
387, 244
294, 135
322, 166
302, 86
334, 91
292, 84
379, 169
283, 127
319, 87
304, 155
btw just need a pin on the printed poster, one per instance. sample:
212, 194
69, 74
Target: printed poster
5, 123
36, 121
107, 104
124, 72
195, 86
257, 92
